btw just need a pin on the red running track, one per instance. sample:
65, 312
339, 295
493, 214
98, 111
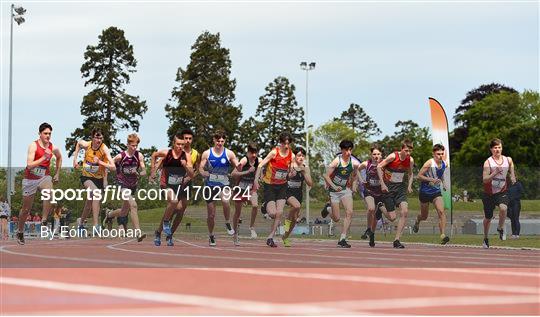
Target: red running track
113, 277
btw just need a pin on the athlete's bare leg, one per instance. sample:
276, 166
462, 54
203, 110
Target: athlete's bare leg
47, 206
26, 207
502, 215
275, 210
371, 222
348, 204
95, 203
439, 206
211, 215
404, 211
293, 214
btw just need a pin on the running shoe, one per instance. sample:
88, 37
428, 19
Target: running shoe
416, 226
398, 245
230, 230
167, 228
141, 237
253, 233
502, 236
371, 239
270, 242
365, 235
107, 221
236, 240
287, 225
445, 240
20, 238
157, 239
212, 241
343, 244
263, 209
324, 211
380, 224
286, 242
486, 243
170, 241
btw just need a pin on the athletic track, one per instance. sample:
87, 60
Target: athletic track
119, 277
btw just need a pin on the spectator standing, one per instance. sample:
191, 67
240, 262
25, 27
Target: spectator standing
515, 192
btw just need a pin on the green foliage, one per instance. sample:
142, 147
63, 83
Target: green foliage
279, 112
203, 100
511, 117
106, 68
358, 120
420, 137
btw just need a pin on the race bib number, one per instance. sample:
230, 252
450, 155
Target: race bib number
38, 171
281, 174
374, 182
129, 170
244, 185
397, 177
175, 179
223, 179
340, 181
91, 168
294, 184
498, 183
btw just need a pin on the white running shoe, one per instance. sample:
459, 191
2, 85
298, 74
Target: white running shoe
236, 241
253, 233
230, 230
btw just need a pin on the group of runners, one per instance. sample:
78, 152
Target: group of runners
384, 182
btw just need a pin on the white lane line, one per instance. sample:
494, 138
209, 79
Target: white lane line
357, 264
238, 305
478, 271
443, 301
384, 280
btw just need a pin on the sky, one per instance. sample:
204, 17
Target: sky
388, 57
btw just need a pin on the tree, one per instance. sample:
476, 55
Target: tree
327, 137
203, 100
107, 69
358, 120
461, 131
279, 112
249, 131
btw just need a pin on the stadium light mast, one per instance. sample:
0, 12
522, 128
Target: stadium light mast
17, 16
307, 67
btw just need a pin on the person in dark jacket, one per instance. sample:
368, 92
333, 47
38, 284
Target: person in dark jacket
515, 192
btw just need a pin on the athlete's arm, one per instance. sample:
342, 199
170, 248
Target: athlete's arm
307, 176
142, 167
486, 176
56, 152
362, 166
117, 158
204, 160
512, 170
238, 170
380, 172
421, 175
232, 159
188, 165
80, 144
329, 172
262, 164
30, 163
109, 164
411, 176
155, 155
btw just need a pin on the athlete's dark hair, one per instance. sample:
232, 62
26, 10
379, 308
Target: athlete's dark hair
219, 134
186, 131
346, 144
179, 136
96, 131
407, 143
284, 136
44, 126
299, 149
495, 142
438, 147
252, 147
375, 146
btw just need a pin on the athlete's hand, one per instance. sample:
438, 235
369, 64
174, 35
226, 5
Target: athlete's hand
205, 174
255, 186
338, 188
293, 173
436, 181
409, 190
354, 187
384, 188
498, 170
75, 164
48, 154
96, 160
56, 178
152, 176
251, 169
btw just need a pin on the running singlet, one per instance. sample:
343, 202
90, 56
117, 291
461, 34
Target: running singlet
498, 183
218, 167
295, 183
395, 171
127, 169
373, 183
433, 172
42, 169
278, 168
173, 172
247, 180
91, 169
340, 176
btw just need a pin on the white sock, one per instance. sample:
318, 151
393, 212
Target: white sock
343, 236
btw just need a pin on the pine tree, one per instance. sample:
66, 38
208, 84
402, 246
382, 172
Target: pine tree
358, 120
203, 101
107, 69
